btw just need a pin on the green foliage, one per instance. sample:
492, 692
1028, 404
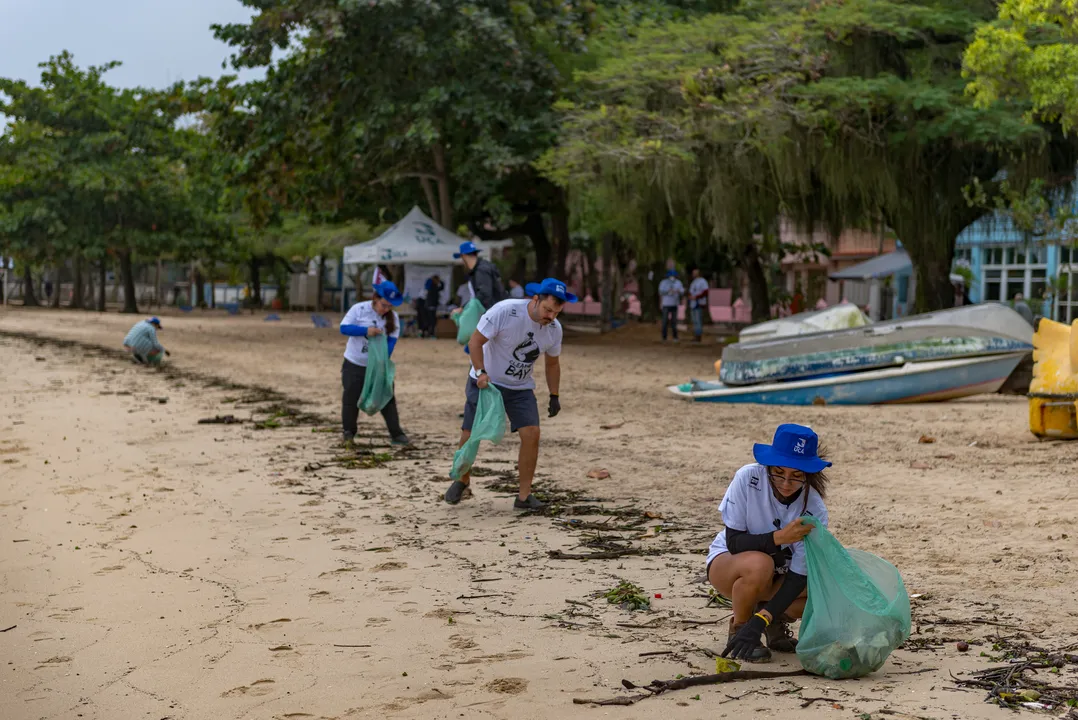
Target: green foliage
89, 170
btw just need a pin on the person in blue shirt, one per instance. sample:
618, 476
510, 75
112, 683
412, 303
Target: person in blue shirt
670, 293
366, 320
141, 341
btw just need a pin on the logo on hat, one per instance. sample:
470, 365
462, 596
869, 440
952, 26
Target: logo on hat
799, 446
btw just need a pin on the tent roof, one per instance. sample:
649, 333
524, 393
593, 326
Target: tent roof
414, 239
880, 266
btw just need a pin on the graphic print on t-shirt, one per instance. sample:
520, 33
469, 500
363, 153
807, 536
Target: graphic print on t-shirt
524, 356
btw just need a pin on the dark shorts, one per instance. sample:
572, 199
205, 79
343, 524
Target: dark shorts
520, 406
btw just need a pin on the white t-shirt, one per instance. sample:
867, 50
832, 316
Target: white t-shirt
514, 343
698, 286
363, 314
750, 505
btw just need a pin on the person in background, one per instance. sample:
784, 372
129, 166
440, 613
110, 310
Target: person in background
483, 277
1022, 308
142, 342
670, 292
516, 290
366, 320
697, 304
433, 298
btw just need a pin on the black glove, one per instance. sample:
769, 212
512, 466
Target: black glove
747, 639
555, 405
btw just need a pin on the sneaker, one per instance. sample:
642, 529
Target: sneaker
529, 503
759, 655
348, 439
400, 440
455, 492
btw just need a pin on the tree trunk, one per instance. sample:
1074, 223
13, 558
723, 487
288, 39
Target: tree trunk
102, 278
432, 200
88, 292
255, 270
606, 292
196, 285
29, 298
444, 201
127, 273
77, 288
54, 298
321, 282
157, 284
758, 290
536, 231
649, 289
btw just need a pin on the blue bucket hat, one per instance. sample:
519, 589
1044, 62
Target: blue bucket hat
794, 446
155, 321
389, 292
550, 286
467, 248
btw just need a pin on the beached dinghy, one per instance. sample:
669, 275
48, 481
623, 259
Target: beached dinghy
969, 331
912, 382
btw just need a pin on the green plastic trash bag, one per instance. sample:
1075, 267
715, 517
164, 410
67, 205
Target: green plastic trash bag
378, 382
467, 320
858, 609
489, 424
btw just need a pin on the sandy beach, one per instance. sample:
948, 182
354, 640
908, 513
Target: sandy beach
155, 567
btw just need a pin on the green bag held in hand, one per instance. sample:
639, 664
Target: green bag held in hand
858, 609
489, 425
378, 382
467, 320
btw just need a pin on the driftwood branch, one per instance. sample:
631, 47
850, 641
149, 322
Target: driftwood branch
658, 687
604, 555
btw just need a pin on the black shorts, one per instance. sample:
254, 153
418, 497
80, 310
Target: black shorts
520, 406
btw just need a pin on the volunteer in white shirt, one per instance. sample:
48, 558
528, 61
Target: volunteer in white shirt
364, 320
697, 304
758, 561
504, 347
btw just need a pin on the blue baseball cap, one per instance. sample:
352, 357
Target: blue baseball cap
550, 286
794, 446
155, 321
467, 248
389, 292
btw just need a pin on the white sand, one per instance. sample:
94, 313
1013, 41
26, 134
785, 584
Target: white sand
155, 567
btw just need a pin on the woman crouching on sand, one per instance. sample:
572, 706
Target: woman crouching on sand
366, 320
758, 561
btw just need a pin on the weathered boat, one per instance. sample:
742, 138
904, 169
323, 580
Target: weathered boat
910, 382
965, 332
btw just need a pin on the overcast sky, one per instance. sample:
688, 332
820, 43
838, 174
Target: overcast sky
158, 41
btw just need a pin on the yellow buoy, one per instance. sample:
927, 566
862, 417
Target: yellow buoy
1053, 393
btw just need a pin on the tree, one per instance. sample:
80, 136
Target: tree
838, 114
1029, 55
87, 170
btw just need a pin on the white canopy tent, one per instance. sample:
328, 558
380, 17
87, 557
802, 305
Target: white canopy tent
415, 239
423, 246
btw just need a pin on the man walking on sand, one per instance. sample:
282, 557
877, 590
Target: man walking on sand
142, 342
503, 349
670, 292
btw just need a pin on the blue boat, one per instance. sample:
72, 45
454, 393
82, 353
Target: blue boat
911, 382
970, 331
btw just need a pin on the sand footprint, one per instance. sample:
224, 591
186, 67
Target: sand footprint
255, 689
